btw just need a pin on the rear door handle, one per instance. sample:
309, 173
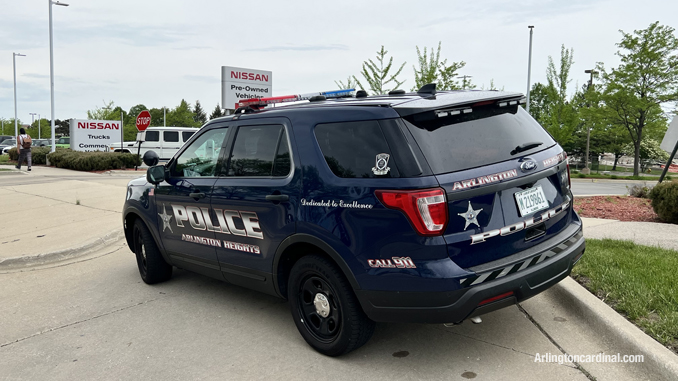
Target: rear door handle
196, 195
277, 197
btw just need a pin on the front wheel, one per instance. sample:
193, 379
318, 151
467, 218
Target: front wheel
152, 266
325, 309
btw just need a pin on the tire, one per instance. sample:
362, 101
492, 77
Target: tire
152, 266
345, 326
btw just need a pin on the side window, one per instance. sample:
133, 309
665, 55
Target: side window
187, 135
260, 151
356, 149
170, 136
152, 136
201, 157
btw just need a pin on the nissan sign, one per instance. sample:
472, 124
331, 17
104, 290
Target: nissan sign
239, 83
94, 135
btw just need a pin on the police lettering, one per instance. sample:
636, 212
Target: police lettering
200, 219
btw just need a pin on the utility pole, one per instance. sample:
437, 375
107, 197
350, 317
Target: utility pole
586, 169
529, 70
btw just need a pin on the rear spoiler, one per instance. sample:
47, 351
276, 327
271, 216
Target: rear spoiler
453, 101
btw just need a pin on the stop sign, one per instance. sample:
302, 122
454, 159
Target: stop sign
143, 120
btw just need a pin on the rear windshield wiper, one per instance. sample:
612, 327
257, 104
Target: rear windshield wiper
525, 147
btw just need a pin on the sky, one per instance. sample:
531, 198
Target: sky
157, 53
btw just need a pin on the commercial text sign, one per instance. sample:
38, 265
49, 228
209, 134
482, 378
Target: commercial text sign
94, 135
239, 83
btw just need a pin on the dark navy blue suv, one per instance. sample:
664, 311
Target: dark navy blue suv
427, 207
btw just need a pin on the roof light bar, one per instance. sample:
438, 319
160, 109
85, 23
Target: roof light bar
262, 102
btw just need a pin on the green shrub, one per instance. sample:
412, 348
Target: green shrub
664, 198
93, 161
639, 191
614, 177
581, 175
38, 154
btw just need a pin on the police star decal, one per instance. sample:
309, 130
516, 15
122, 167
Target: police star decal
471, 216
166, 218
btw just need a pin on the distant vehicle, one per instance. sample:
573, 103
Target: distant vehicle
63, 142
7, 143
41, 143
5, 137
164, 141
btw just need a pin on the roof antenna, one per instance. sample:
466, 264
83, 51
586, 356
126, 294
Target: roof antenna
427, 90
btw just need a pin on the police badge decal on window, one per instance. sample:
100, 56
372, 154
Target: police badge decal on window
382, 164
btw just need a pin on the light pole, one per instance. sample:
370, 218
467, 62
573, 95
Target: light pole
39, 126
32, 114
529, 70
51, 67
586, 169
16, 127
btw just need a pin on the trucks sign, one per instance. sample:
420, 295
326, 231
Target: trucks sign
239, 83
94, 135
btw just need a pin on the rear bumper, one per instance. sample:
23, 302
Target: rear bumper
458, 305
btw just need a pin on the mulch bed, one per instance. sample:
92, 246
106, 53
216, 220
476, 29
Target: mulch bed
622, 208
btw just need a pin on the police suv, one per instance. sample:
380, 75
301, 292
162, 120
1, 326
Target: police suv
428, 207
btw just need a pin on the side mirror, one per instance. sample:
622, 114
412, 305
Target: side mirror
151, 158
156, 174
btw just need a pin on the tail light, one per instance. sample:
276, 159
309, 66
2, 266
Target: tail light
426, 209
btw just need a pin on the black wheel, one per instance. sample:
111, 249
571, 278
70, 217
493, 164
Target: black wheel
152, 266
325, 309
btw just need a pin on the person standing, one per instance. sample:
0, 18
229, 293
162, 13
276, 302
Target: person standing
23, 146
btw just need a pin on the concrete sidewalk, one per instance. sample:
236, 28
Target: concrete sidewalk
51, 213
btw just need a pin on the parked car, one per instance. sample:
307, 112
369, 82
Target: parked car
7, 143
427, 207
41, 143
164, 141
5, 137
63, 142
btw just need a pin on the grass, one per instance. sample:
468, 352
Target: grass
638, 281
4, 159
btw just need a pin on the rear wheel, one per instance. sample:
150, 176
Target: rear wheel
325, 309
152, 266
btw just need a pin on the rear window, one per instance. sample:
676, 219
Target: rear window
485, 136
187, 135
171, 136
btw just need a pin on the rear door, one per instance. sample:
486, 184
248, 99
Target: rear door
170, 144
501, 171
255, 197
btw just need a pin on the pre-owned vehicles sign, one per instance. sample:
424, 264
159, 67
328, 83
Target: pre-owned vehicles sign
239, 83
94, 135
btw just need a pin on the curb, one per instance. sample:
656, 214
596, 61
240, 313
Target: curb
658, 360
61, 255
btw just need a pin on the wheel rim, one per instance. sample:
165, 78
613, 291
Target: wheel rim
140, 251
319, 309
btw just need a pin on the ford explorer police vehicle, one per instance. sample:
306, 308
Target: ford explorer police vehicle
428, 207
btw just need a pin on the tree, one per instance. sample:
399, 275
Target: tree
646, 78
199, 114
181, 116
549, 103
107, 112
650, 152
350, 84
431, 70
217, 112
157, 116
134, 112
378, 75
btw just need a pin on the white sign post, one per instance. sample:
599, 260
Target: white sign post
239, 83
670, 144
94, 135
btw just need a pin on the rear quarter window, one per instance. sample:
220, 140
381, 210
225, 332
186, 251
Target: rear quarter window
356, 149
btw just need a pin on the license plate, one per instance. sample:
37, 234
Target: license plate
531, 200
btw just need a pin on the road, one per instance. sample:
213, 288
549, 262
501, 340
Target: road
587, 187
96, 319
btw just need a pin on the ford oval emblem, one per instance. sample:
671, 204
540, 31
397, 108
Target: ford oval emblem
528, 165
